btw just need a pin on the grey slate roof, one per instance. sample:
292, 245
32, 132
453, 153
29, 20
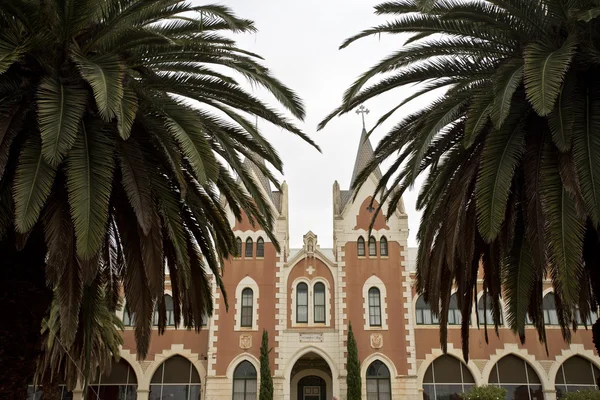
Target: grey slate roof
262, 179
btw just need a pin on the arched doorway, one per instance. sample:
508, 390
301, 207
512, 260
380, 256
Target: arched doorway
311, 378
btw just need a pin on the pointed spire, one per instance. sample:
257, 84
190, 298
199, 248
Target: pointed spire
365, 151
260, 176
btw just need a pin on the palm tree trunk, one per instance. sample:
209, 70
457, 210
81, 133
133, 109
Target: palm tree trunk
25, 299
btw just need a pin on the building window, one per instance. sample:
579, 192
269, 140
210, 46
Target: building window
487, 315
372, 246
249, 247
360, 244
319, 302
244, 382
238, 246
170, 313
383, 246
576, 374
550, 315
592, 317
247, 300
36, 392
378, 382
175, 379
424, 314
204, 320
128, 317
517, 377
120, 384
260, 247
302, 303
454, 314
374, 307
446, 378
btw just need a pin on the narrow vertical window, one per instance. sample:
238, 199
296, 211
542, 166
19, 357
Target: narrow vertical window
374, 307
319, 303
260, 247
372, 246
302, 303
247, 300
360, 244
249, 245
383, 246
238, 245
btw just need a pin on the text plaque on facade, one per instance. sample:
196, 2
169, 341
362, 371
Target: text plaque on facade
311, 337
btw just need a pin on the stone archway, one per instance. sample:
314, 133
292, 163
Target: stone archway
311, 378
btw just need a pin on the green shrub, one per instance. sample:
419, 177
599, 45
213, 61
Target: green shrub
582, 395
353, 380
485, 393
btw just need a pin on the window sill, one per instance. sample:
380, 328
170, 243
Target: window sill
246, 329
259, 258
384, 257
361, 257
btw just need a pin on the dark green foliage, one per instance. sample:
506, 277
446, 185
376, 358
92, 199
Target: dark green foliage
353, 379
582, 395
266, 380
485, 393
510, 150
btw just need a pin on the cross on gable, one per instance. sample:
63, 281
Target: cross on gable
362, 110
310, 269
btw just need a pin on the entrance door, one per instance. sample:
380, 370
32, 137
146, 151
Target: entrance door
312, 388
312, 393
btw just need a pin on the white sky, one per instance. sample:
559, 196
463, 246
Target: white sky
299, 41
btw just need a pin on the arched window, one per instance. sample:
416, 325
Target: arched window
576, 374
446, 378
247, 300
374, 307
360, 244
319, 303
489, 316
175, 379
383, 246
454, 314
424, 314
170, 315
378, 382
128, 317
372, 246
302, 303
260, 247
244, 382
550, 315
120, 384
517, 377
249, 247
590, 319
238, 245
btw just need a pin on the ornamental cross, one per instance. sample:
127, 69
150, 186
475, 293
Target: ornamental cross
362, 110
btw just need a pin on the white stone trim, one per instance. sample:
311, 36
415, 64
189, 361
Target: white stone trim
311, 372
212, 330
247, 282
375, 281
311, 302
237, 360
131, 359
410, 326
324, 355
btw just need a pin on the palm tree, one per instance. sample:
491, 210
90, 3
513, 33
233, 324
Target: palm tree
122, 122
96, 343
510, 150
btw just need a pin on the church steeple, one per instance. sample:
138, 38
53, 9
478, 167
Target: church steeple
251, 164
365, 151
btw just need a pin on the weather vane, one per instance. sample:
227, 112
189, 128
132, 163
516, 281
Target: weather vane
362, 110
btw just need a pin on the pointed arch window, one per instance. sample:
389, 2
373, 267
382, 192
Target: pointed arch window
447, 378
424, 314
238, 246
249, 245
550, 314
247, 300
454, 314
260, 247
378, 382
518, 378
175, 379
576, 374
120, 384
244, 382
302, 303
360, 244
372, 246
319, 302
383, 246
374, 307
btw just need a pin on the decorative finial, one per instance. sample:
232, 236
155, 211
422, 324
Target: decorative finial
362, 110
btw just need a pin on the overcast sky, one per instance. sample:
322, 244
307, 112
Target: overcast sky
299, 41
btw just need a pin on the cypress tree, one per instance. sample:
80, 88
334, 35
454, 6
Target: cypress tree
266, 380
353, 380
